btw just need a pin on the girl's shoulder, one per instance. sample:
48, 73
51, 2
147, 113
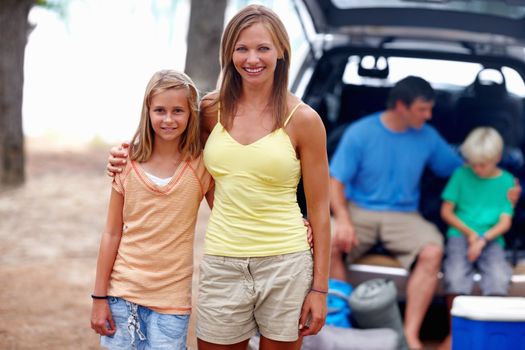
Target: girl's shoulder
119, 180
201, 173
197, 165
196, 161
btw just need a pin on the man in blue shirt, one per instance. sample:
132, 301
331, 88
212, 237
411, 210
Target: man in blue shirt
375, 177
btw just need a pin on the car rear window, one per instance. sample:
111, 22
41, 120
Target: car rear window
442, 74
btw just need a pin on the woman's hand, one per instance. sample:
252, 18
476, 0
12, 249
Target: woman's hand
117, 159
101, 318
313, 313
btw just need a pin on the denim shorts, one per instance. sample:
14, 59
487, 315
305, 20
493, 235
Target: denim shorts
140, 328
495, 271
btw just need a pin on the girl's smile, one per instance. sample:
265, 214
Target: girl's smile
169, 113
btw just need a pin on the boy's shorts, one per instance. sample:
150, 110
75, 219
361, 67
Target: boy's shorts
403, 234
240, 296
495, 271
139, 327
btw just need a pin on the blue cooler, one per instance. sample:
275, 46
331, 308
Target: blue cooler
488, 323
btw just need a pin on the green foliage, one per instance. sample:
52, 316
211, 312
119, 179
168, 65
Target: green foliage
58, 6
47, 4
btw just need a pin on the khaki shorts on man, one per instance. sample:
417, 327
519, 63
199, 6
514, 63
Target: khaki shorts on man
403, 234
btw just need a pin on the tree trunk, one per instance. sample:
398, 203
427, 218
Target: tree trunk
14, 27
204, 36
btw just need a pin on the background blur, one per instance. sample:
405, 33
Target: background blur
86, 68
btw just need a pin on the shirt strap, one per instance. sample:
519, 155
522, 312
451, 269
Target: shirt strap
291, 113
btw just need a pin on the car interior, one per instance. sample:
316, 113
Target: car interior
348, 84
473, 54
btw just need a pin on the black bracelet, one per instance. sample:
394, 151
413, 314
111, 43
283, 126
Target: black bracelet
318, 291
99, 296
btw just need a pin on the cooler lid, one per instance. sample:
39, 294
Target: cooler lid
489, 308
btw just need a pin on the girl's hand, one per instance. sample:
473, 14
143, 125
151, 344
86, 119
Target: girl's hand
309, 233
101, 318
117, 159
313, 314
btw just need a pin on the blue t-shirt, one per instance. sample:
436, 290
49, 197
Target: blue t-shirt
381, 169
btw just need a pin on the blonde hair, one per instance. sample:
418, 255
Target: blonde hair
482, 144
190, 143
230, 81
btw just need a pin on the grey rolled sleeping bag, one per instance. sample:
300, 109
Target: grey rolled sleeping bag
374, 305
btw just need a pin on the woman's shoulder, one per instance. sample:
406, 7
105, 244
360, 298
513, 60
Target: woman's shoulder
304, 125
301, 114
300, 108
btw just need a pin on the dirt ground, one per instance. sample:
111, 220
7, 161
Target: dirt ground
49, 235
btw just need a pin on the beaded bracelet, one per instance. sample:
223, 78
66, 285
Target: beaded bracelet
318, 291
99, 296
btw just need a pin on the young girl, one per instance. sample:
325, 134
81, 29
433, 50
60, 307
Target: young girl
142, 294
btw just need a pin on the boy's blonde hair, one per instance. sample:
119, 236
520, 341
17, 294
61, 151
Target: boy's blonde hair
190, 143
230, 81
482, 144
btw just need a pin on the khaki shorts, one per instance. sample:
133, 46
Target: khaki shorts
403, 234
240, 296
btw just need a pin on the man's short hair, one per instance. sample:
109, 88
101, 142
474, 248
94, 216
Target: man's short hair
482, 144
408, 89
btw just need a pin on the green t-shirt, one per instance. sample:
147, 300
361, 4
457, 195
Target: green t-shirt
478, 202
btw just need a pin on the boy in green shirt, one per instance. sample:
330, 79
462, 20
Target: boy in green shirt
478, 211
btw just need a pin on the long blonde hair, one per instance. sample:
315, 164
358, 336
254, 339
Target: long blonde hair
230, 81
190, 144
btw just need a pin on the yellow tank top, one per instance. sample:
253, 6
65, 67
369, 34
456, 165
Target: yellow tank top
255, 211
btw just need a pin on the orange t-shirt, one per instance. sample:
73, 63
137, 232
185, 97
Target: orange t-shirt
154, 262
